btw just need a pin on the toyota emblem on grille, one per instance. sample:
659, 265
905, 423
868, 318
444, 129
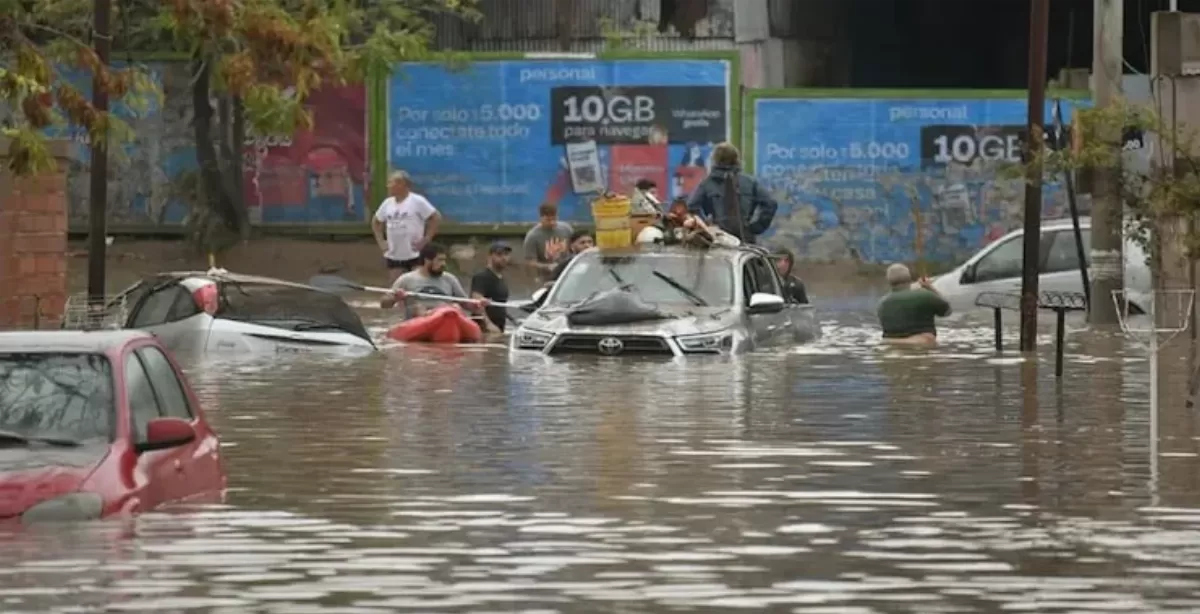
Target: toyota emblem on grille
610, 346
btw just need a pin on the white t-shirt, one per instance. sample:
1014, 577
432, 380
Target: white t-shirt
405, 224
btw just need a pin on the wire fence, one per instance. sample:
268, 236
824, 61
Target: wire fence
80, 313
73, 312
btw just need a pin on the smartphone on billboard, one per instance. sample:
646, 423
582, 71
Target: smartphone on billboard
583, 162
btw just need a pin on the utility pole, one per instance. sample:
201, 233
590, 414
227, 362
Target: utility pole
1108, 207
98, 209
1039, 28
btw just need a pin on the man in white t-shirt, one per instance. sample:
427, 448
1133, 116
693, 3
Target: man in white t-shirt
409, 221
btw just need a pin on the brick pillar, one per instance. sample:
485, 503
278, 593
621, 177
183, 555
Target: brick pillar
33, 244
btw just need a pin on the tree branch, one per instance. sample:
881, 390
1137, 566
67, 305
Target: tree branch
49, 30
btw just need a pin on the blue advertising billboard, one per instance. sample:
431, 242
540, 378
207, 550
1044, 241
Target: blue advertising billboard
853, 175
488, 143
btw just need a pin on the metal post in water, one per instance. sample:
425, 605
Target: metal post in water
1153, 394
998, 320
1060, 333
98, 205
1073, 205
1039, 18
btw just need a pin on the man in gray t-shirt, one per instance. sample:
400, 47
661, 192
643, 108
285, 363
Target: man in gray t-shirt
429, 278
546, 241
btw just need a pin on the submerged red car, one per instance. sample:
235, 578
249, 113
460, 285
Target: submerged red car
98, 423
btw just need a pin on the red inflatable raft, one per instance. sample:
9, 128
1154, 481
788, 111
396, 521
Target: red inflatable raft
445, 324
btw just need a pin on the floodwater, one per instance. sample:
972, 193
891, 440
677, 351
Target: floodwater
835, 478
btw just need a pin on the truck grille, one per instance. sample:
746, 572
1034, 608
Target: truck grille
592, 344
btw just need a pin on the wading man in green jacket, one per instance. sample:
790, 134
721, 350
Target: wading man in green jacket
907, 314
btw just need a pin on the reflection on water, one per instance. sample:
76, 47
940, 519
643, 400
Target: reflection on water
840, 477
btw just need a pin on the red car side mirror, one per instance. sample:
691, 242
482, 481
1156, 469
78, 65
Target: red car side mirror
163, 433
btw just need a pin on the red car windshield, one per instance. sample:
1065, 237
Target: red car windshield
56, 397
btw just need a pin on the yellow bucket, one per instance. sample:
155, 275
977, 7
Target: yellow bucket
611, 213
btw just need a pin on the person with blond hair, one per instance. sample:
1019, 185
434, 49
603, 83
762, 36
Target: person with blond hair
732, 200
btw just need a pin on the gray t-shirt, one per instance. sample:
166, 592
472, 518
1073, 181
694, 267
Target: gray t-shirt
538, 236
417, 281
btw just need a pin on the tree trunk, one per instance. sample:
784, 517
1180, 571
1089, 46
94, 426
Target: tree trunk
224, 134
217, 188
229, 111
239, 148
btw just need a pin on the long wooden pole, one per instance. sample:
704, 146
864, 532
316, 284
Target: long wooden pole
919, 226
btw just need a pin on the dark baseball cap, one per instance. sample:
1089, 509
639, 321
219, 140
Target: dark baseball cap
499, 247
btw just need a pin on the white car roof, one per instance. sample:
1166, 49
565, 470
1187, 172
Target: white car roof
223, 275
1056, 224
1085, 223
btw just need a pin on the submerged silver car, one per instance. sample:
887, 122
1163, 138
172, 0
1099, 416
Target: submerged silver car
218, 312
694, 301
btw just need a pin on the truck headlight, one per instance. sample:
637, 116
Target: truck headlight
706, 343
530, 339
67, 508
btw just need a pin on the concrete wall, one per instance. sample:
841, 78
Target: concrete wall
793, 43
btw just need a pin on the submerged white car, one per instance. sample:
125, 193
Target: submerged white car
997, 267
667, 301
218, 312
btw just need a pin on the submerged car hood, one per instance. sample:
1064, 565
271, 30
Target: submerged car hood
29, 476
690, 322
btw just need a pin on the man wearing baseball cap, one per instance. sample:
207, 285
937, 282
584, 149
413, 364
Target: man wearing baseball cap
489, 284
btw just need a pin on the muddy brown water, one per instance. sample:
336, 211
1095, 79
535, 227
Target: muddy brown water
832, 478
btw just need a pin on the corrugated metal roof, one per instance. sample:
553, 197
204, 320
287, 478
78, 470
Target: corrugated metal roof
665, 44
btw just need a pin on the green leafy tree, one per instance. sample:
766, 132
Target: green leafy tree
1158, 159
262, 59
39, 40
1161, 195
259, 59
637, 35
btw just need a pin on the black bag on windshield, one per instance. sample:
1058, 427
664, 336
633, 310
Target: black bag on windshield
616, 306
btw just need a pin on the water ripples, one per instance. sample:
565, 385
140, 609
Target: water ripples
839, 477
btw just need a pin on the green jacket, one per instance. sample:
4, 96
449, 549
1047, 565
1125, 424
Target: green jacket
908, 312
